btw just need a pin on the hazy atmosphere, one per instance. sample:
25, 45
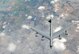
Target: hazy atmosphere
31, 26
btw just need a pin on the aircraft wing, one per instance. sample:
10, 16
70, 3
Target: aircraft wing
40, 32
56, 34
64, 28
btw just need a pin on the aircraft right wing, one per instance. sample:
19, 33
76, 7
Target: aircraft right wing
40, 32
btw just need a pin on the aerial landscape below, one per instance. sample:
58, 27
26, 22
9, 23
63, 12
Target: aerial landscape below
39, 26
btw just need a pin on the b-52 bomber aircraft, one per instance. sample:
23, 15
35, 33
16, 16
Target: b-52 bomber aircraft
52, 35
